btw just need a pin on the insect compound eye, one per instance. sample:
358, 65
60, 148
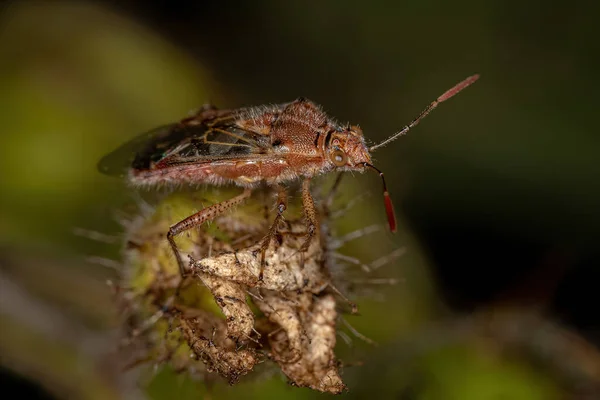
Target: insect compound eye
339, 158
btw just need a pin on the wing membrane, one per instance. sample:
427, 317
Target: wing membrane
144, 146
190, 141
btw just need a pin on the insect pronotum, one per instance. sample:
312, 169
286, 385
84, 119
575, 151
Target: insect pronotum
249, 147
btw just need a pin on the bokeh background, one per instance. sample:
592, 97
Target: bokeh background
498, 190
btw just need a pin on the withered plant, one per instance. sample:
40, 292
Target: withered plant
224, 317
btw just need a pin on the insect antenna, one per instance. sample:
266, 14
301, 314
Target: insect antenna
389, 207
447, 94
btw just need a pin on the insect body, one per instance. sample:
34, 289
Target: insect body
268, 145
248, 147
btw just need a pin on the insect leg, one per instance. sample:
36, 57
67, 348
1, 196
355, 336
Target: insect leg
310, 214
281, 207
207, 214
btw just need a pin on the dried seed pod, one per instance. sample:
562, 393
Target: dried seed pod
288, 316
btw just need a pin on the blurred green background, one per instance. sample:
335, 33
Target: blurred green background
498, 190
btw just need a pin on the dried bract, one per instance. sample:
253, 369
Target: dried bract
303, 347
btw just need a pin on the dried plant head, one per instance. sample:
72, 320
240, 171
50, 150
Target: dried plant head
224, 318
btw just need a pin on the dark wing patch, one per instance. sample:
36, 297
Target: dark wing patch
140, 151
183, 143
212, 144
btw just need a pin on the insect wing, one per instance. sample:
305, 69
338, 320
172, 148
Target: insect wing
214, 142
183, 143
145, 146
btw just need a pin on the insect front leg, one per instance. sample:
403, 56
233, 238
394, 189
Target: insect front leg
310, 215
207, 214
281, 207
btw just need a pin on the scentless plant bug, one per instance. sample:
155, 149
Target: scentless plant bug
249, 147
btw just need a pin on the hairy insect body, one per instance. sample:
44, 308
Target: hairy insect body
250, 147
268, 146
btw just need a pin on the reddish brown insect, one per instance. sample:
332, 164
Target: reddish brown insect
267, 145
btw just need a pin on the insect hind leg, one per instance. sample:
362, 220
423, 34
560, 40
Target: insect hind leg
207, 214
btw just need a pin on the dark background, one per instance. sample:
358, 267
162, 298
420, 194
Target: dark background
499, 187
